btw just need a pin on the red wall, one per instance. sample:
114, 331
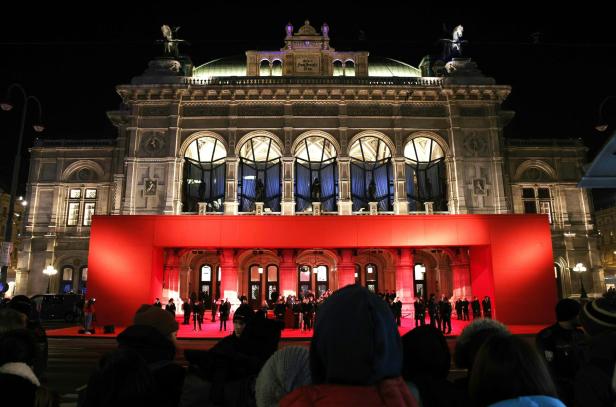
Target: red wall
511, 255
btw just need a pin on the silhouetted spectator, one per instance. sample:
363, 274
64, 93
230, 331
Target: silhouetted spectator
593, 380
426, 366
23, 304
122, 378
562, 346
355, 354
20, 384
509, 372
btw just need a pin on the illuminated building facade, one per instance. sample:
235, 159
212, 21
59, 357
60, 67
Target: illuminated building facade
250, 135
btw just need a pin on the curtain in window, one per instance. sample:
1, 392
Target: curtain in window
362, 174
203, 182
329, 186
269, 173
327, 173
425, 182
358, 186
272, 186
246, 187
302, 186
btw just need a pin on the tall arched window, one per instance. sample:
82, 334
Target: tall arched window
371, 161
372, 279
66, 285
265, 68
204, 174
426, 178
315, 158
83, 280
349, 68
205, 281
338, 69
312, 279
419, 276
255, 272
277, 68
272, 280
259, 173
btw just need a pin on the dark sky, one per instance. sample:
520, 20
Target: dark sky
560, 61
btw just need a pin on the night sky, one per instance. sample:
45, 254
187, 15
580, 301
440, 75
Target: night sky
560, 62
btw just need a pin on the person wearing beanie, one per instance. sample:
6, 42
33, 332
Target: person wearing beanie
593, 380
153, 337
284, 371
355, 354
562, 347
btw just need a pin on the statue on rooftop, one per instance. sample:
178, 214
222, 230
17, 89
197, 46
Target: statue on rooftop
170, 44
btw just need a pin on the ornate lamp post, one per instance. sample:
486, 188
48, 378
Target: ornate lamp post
603, 125
580, 268
49, 271
6, 105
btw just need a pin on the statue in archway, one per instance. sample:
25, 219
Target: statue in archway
259, 191
372, 191
315, 191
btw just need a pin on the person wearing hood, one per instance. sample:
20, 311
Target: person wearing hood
355, 355
153, 337
509, 372
286, 370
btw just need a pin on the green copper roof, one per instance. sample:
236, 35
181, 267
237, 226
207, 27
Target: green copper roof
236, 66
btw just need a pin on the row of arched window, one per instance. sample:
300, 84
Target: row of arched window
274, 67
316, 174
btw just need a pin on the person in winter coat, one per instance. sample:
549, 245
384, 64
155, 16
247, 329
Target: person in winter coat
286, 370
355, 355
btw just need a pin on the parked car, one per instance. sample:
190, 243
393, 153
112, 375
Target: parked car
58, 306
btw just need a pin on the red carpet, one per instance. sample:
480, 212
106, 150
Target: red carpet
209, 330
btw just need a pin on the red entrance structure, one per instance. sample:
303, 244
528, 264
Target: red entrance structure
510, 256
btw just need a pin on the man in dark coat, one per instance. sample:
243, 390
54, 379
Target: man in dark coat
476, 307
214, 309
459, 308
225, 310
562, 346
465, 309
170, 307
445, 313
435, 320
420, 312
487, 307
186, 308
396, 307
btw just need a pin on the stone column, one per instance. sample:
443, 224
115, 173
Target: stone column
401, 205
461, 280
287, 206
404, 276
229, 276
346, 269
231, 204
345, 204
288, 273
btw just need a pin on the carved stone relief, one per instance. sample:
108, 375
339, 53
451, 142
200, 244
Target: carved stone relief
475, 145
152, 144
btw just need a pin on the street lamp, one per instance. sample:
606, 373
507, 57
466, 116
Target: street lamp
602, 126
49, 271
580, 268
6, 105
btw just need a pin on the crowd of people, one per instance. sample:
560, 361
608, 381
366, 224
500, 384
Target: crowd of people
356, 357
440, 311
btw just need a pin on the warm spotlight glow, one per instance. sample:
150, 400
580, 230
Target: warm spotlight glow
50, 271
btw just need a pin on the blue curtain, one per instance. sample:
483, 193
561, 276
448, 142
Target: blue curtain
246, 186
358, 186
302, 186
272, 186
384, 193
329, 186
411, 188
203, 182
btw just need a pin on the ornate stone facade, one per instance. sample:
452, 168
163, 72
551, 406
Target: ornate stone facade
313, 94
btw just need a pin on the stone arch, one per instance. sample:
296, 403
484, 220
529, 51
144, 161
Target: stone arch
198, 135
258, 133
79, 165
373, 133
429, 134
538, 164
319, 133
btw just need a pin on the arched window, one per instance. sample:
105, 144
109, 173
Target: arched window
83, 280
66, 285
338, 69
315, 280
419, 276
371, 162
265, 68
218, 278
426, 178
255, 272
272, 280
204, 174
315, 158
259, 174
205, 281
372, 280
322, 283
304, 280
277, 68
349, 68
